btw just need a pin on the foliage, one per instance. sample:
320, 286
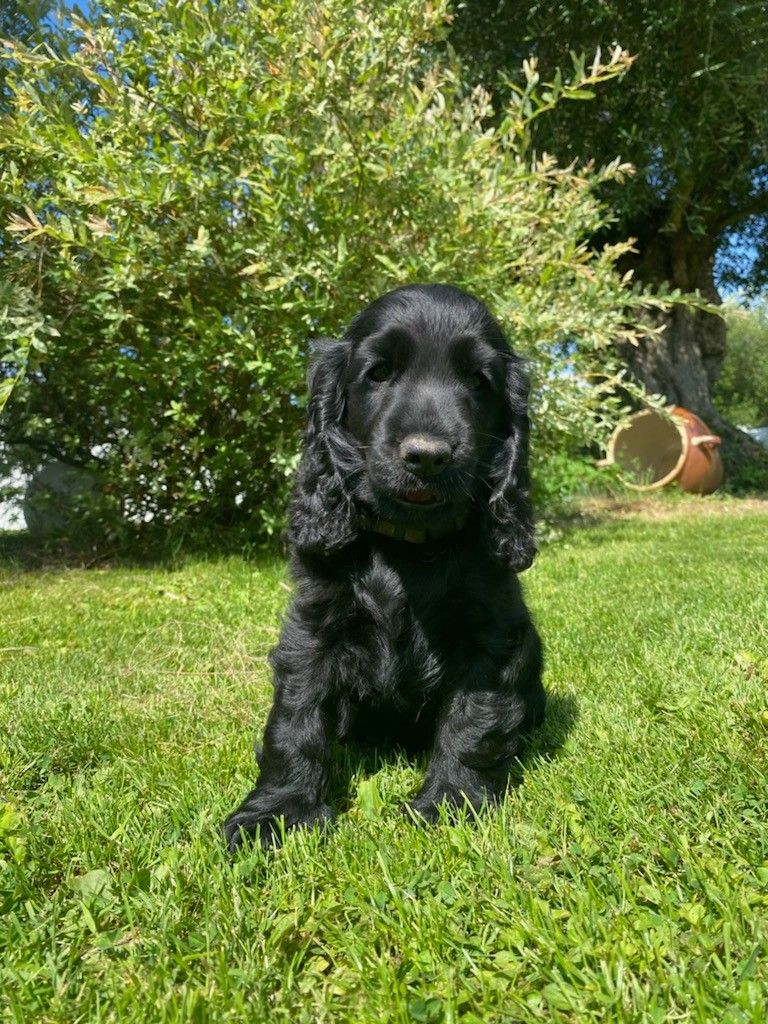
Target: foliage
624, 880
742, 387
20, 19
692, 115
24, 328
190, 191
565, 478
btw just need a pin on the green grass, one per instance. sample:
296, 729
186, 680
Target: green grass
624, 879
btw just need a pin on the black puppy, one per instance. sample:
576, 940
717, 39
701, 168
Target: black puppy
409, 520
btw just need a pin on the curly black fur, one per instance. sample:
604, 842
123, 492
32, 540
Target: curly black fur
425, 641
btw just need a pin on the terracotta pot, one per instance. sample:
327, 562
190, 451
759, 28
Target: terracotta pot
653, 449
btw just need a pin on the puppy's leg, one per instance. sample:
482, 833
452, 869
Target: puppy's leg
480, 728
293, 765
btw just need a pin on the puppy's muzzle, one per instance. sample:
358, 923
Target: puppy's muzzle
425, 455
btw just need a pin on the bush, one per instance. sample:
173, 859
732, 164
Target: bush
192, 191
741, 390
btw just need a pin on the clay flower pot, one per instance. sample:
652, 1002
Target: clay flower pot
653, 449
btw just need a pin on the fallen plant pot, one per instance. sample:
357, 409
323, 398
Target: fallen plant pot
655, 448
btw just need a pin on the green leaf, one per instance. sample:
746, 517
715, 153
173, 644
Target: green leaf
92, 884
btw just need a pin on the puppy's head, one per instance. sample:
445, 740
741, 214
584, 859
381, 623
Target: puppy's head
418, 414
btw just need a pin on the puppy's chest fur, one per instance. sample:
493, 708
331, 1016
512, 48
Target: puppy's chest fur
413, 626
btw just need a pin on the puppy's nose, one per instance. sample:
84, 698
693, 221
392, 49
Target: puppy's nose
425, 455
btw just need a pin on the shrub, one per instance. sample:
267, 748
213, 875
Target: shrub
192, 191
741, 390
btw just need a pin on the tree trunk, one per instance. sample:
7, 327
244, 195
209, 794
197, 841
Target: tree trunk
684, 362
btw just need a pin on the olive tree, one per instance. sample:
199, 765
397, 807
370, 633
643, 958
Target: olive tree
692, 116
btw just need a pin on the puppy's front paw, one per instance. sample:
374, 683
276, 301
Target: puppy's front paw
254, 822
244, 825
425, 808
422, 811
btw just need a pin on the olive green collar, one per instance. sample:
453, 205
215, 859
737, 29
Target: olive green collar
412, 534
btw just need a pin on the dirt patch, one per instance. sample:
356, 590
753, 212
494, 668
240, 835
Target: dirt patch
677, 506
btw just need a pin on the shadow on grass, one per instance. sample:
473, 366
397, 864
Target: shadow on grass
171, 546
544, 743
355, 759
21, 552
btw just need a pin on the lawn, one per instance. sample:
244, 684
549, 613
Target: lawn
625, 878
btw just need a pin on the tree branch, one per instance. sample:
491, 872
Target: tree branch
44, 448
754, 207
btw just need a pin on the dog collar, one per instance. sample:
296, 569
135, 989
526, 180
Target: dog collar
410, 533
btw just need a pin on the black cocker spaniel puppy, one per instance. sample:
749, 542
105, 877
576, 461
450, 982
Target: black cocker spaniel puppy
409, 522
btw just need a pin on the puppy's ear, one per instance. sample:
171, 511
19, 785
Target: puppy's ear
510, 509
321, 515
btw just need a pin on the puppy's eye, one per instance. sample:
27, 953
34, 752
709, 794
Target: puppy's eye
379, 373
476, 381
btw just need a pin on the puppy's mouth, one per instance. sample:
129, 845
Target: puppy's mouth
424, 498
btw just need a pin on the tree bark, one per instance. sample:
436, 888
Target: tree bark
683, 362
